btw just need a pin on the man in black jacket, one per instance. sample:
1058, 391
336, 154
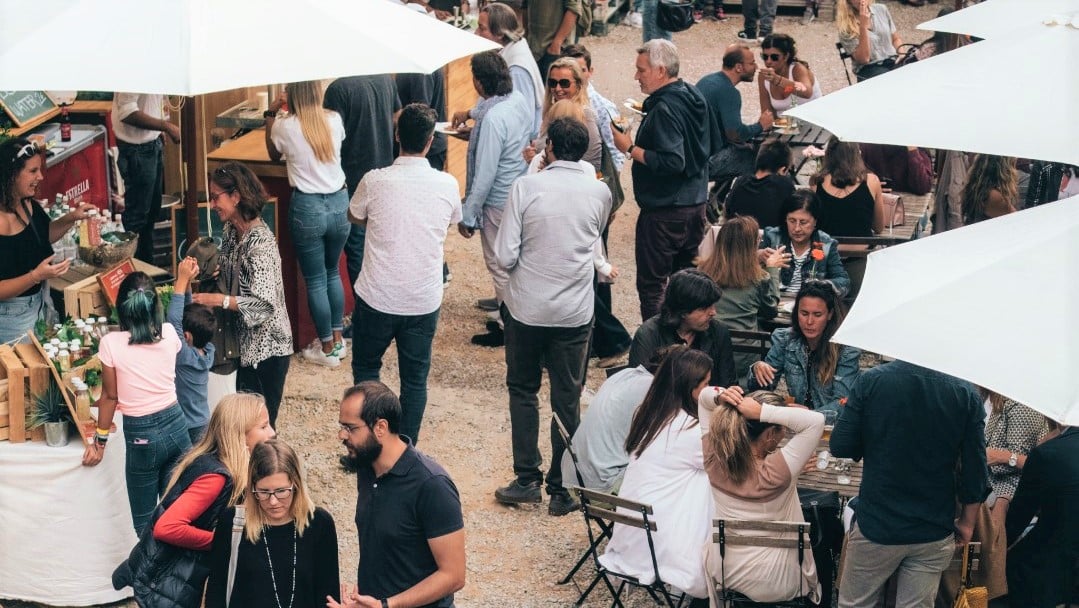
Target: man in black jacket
1041, 566
688, 316
670, 170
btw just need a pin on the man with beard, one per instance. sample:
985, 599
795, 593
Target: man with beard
725, 102
688, 316
408, 511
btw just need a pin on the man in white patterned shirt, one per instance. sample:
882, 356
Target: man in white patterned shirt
407, 208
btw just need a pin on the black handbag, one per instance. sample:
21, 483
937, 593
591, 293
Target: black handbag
674, 15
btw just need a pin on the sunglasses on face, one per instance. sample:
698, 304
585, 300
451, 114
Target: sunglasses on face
773, 56
564, 83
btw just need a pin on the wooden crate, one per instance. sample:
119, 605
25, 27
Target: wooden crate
38, 378
84, 421
82, 293
12, 370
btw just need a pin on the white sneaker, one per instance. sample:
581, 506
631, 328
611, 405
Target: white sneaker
634, 19
340, 350
315, 355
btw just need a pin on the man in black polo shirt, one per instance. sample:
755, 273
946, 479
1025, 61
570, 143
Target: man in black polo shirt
408, 512
688, 316
914, 428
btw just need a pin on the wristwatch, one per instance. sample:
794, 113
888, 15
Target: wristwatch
269, 114
1013, 460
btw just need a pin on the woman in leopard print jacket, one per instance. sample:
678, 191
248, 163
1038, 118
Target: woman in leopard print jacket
251, 268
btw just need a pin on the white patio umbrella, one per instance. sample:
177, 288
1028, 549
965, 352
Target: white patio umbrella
994, 17
1008, 95
994, 303
191, 47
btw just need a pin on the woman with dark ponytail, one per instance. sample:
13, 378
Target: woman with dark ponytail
138, 378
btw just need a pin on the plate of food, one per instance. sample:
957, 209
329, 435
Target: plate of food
446, 129
634, 105
784, 124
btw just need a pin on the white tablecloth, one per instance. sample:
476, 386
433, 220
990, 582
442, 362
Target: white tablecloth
63, 527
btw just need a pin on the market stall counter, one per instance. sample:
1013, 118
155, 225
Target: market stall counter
63, 527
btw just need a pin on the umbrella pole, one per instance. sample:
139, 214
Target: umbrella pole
188, 162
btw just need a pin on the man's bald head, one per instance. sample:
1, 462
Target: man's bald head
735, 54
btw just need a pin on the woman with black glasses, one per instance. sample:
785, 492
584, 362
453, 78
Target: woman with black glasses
287, 557
26, 238
566, 81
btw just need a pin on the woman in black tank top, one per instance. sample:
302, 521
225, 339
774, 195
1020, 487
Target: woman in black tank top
851, 197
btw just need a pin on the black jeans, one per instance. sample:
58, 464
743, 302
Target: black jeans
372, 332
667, 241
529, 349
143, 168
609, 336
267, 378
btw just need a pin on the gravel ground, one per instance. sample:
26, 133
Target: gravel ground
515, 555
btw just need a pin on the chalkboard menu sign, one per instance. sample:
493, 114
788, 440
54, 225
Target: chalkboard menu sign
25, 106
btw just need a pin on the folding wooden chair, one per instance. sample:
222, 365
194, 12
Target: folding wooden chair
640, 519
844, 57
731, 598
604, 528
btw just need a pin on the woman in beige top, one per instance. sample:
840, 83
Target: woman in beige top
753, 478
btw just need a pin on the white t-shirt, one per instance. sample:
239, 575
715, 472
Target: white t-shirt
126, 104
408, 207
305, 172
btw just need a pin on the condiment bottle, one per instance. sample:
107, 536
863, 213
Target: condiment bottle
64, 356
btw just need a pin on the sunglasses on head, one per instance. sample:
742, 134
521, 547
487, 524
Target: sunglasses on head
26, 151
564, 83
773, 56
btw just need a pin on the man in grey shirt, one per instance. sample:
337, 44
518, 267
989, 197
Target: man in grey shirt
550, 228
601, 437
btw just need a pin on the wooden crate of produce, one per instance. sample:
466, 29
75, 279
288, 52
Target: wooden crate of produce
84, 421
38, 378
13, 371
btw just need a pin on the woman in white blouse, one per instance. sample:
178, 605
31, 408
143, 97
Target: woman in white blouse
309, 138
666, 470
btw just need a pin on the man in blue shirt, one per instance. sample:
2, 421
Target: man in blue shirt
737, 156
921, 435
503, 126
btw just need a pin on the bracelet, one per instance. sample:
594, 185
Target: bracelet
630, 149
225, 303
385, 603
102, 432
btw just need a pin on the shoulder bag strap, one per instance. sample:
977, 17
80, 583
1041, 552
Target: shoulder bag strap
237, 532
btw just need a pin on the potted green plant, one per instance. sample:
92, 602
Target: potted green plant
50, 411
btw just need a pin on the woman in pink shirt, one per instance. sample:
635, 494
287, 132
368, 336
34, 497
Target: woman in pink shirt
138, 377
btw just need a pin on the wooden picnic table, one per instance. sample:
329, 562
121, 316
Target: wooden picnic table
816, 479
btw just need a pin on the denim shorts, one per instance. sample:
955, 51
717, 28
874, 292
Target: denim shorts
18, 316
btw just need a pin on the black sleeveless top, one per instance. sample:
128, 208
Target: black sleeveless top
851, 215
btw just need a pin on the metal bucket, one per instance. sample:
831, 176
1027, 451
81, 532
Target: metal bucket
56, 434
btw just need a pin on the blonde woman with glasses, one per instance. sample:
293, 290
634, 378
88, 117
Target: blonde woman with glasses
565, 81
287, 556
309, 138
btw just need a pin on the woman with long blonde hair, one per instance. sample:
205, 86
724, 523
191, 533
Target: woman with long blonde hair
284, 533
170, 564
310, 139
565, 81
868, 33
992, 189
753, 478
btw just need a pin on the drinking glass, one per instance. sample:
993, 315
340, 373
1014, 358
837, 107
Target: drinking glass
829, 424
842, 469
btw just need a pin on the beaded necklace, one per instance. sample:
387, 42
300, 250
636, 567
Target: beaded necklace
273, 578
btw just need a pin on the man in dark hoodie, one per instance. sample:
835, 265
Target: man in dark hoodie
670, 170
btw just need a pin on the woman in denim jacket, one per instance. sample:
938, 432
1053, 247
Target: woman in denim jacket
814, 254
819, 373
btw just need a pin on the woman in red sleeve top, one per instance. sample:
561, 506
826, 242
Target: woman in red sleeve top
170, 564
